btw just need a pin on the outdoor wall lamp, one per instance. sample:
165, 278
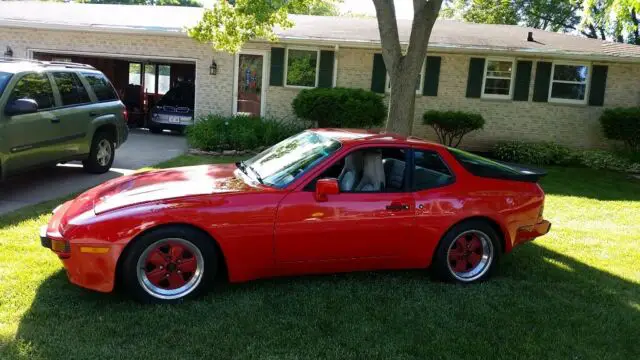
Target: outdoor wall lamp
8, 53
213, 69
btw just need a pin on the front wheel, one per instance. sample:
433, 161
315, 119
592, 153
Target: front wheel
467, 253
101, 154
168, 265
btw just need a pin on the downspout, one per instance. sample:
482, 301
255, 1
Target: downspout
335, 65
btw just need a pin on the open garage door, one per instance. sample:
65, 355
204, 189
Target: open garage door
158, 93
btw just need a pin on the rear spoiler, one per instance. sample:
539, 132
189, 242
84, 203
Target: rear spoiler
524, 173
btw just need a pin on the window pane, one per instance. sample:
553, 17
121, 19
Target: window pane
150, 79
134, 74
164, 79
101, 86
497, 86
499, 68
430, 171
34, 86
301, 68
570, 73
71, 89
568, 91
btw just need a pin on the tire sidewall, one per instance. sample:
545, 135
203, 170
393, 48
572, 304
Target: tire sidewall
129, 273
91, 164
441, 259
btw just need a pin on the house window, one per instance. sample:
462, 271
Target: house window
569, 83
302, 68
498, 78
419, 80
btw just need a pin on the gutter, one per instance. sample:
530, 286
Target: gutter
328, 42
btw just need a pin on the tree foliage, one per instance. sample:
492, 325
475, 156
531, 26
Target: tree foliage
601, 19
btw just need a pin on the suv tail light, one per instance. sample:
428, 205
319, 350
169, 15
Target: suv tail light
125, 115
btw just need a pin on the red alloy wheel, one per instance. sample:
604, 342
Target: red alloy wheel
470, 255
170, 268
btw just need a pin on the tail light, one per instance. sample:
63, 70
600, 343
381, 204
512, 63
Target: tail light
125, 115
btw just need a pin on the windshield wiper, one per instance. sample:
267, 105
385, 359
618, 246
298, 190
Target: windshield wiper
243, 167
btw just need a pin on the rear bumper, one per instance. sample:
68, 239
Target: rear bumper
528, 233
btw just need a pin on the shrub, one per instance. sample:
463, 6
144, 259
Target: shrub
601, 159
452, 126
544, 153
622, 124
340, 107
215, 133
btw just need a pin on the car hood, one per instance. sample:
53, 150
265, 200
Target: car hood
172, 183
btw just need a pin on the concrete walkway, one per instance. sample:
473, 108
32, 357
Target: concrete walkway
140, 150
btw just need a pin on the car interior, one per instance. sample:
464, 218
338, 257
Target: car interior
384, 170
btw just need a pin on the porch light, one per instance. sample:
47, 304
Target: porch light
8, 53
213, 69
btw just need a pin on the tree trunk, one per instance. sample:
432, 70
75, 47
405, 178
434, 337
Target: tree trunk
402, 99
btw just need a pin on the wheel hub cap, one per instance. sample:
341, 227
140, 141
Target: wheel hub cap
470, 255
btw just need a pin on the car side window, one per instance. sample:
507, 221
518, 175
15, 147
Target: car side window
34, 86
101, 86
376, 169
430, 171
71, 89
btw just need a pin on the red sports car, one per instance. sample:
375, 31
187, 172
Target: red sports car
322, 201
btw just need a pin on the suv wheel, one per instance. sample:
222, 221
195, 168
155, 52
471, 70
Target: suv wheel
101, 155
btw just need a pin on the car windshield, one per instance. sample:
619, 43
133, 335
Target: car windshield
4, 79
279, 165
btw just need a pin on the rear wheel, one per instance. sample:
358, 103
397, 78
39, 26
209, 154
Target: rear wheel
467, 253
168, 265
101, 154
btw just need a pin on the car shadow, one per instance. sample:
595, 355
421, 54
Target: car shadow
590, 183
540, 304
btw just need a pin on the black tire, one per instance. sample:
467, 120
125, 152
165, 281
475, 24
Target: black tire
470, 233
155, 130
96, 163
143, 289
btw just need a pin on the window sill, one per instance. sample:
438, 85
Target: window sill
295, 87
496, 99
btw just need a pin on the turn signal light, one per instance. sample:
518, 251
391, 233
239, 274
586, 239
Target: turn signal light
60, 246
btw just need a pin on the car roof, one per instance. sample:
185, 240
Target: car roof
357, 136
15, 66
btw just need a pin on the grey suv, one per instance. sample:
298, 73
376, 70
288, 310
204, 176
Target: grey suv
57, 112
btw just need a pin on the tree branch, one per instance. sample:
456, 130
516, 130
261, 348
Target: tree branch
388, 27
425, 13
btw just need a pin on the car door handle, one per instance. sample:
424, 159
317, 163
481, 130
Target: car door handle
55, 120
397, 207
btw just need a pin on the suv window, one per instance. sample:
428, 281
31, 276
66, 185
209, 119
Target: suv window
101, 86
430, 171
71, 89
4, 79
34, 86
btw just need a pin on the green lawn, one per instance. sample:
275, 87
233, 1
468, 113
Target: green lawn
573, 294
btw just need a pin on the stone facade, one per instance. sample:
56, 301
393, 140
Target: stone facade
575, 125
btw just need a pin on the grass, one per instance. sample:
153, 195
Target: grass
573, 294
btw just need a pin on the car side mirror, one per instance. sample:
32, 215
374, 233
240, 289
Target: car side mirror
20, 107
326, 187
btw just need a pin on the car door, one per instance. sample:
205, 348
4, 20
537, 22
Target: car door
32, 138
75, 112
349, 225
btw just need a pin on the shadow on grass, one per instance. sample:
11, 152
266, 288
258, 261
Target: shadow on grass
540, 304
590, 183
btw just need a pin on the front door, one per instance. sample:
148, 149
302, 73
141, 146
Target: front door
250, 75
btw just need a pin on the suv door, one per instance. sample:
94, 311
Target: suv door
75, 113
31, 139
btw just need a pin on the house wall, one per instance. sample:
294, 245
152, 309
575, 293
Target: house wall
574, 125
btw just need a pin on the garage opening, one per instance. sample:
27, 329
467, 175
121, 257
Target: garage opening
158, 94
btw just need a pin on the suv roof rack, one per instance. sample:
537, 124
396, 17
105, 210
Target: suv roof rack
70, 65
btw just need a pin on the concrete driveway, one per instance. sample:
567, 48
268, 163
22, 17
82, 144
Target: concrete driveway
140, 150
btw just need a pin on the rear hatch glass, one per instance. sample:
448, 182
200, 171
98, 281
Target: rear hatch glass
483, 167
4, 79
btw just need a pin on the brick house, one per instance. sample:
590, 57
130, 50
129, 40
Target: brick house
528, 84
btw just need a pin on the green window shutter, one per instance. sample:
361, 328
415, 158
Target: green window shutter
523, 79
379, 74
277, 67
431, 76
325, 75
476, 74
598, 85
541, 86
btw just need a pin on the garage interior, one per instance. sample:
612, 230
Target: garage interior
141, 83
